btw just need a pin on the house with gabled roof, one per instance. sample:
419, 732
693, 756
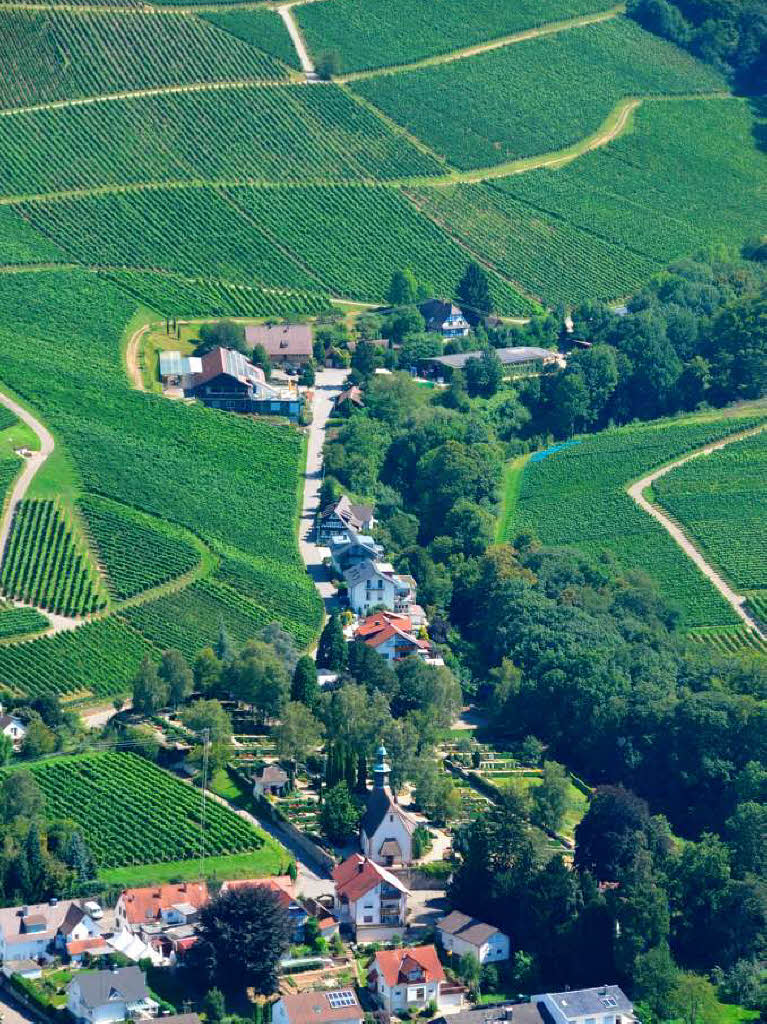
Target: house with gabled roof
371, 584
342, 517
152, 909
285, 344
369, 899
102, 997
410, 979
43, 930
386, 831
336, 1006
391, 634
459, 933
444, 318
230, 381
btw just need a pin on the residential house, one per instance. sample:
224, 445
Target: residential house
444, 318
332, 1007
373, 584
523, 358
286, 344
342, 517
282, 886
153, 909
78, 949
504, 1013
177, 370
13, 727
461, 934
386, 831
271, 781
101, 997
409, 979
229, 381
326, 922
348, 549
604, 1005
43, 930
391, 634
369, 899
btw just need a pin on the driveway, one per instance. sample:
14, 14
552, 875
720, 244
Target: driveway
328, 384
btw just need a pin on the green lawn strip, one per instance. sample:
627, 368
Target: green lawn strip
271, 859
512, 483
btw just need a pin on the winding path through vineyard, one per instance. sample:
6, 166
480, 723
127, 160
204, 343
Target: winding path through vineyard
59, 623
636, 492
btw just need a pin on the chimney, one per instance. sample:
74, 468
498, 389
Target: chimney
52, 902
361, 866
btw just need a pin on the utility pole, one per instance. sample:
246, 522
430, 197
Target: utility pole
205, 759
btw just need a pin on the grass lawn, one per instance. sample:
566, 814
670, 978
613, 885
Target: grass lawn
271, 859
576, 801
17, 436
512, 482
227, 786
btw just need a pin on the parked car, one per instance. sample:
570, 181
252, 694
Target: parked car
93, 910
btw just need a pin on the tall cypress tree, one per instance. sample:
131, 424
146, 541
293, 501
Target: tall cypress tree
331, 650
304, 685
474, 294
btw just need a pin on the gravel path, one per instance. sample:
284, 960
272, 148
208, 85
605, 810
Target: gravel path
735, 601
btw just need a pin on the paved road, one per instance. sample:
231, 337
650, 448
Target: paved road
733, 599
328, 384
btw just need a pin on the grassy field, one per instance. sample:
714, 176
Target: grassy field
512, 484
556, 90
378, 33
271, 859
576, 497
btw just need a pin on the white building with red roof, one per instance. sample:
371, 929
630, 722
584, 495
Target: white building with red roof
392, 635
156, 907
369, 899
410, 979
386, 831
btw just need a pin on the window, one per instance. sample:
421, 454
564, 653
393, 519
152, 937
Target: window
367, 919
419, 993
591, 1020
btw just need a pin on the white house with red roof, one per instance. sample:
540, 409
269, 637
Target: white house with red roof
152, 909
392, 635
369, 899
410, 979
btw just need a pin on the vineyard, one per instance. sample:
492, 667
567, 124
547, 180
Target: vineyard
588, 480
20, 621
117, 53
545, 255
355, 29
719, 500
99, 658
132, 812
230, 234
556, 90
47, 564
260, 27
189, 619
134, 551
170, 460
259, 133
19, 243
172, 295
729, 640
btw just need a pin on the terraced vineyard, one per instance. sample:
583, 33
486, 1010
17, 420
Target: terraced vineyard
99, 658
132, 812
117, 439
134, 551
108, 52
20, 243
576, 497
719, 500
356, 29
729, 640
20, 621
8, 470
47, 564
556, 90
260, 27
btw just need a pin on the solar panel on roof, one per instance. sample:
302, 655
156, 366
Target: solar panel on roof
339, 999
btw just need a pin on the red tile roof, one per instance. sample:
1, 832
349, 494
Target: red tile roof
308, 1007
381, 620
394, 964
142, 905
358, 875
88, 945
282, 885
